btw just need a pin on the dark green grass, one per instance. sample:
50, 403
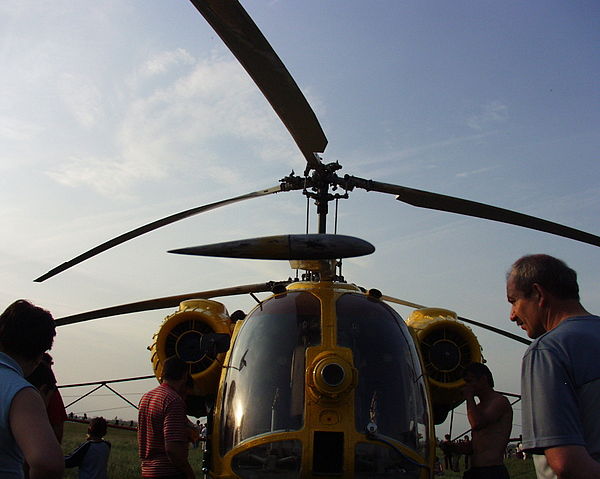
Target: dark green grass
517, 468
123, 462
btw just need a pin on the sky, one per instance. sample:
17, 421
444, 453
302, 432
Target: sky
114, 114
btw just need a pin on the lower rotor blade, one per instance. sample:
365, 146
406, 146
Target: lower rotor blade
166, 302
151, 227
501, 332
436, 201
286, 247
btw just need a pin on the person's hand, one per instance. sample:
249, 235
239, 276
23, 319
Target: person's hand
468, 391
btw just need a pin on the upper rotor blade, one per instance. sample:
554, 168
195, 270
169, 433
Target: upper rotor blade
166, 302
436, 201
151, 227
501, 332
241, 35
287, 247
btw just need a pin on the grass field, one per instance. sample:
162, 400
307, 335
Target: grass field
517, 469
124, 462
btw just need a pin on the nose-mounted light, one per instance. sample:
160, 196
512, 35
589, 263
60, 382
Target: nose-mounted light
331, 376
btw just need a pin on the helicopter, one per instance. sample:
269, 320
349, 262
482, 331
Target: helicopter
272, 443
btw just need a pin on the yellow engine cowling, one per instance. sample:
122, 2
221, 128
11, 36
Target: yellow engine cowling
198, 333
447, 346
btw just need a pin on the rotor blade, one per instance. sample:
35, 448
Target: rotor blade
288, 247
465, 320
402, 302
166, 302
151, 227
436, 201
495, 330
241, 35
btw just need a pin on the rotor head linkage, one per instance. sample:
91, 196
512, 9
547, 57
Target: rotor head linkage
318, 179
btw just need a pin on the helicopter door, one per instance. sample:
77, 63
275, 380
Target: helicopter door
264, 384
391, 392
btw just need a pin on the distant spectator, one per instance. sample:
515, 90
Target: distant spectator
91, 456
446, 447
26, 332
437, 467
468, 450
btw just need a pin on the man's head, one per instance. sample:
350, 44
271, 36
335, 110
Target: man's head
26, 331
479, 376
174, 369
531, 281
176, 373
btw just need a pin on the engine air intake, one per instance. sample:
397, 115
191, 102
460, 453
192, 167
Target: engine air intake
447, 346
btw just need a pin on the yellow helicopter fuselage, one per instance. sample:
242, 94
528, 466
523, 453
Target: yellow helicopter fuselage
322, 379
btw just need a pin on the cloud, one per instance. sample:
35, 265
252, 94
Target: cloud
391, 162
203, 116
489, 116
108, 177
163, 61
466, 174
82, 98
16, 130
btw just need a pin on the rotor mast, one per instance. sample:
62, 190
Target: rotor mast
318, 180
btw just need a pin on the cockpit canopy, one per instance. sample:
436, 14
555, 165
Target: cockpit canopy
264, 390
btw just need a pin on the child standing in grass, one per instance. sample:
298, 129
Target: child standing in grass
92, 456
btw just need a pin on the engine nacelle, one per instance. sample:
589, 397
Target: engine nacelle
447, 347
197, 333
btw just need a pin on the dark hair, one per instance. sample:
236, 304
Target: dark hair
97, 427
480, 370
174, 369
42, 376
551, 273
26, 331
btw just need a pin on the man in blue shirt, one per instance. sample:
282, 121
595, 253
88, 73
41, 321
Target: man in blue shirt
26, 332
560, 376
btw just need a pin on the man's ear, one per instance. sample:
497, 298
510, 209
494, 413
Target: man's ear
541, 294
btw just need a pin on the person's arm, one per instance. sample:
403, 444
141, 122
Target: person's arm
177, 452
175, 435
32, 432
76, 457
480, 415
572, 462
57, 414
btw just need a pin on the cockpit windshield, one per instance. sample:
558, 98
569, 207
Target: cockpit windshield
391, 390
264, 384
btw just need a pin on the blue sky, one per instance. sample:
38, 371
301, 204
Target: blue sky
114, 114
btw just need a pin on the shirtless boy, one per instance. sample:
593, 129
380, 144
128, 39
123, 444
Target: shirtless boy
491, 423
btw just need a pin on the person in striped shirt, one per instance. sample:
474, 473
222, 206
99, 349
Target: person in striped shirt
162, 426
